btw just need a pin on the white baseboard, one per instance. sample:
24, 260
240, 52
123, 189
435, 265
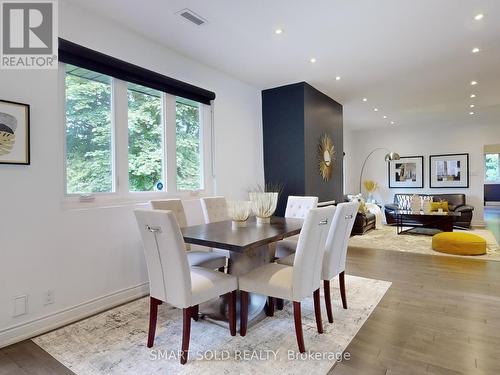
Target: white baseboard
478, 224
492, 204
35, 327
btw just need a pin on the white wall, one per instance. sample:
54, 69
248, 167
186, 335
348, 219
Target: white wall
425, 140
94, 255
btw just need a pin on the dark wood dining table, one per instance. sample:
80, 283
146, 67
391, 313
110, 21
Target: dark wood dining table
249, 247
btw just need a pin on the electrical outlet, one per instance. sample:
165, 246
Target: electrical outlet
49, 297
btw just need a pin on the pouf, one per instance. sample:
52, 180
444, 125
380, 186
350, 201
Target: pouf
459, 243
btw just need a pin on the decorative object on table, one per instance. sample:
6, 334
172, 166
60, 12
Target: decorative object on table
326, 157
14, 133
263, 205
449, 171
406, 172
239, 212
426, 205
388, 157
370, 187
416, 203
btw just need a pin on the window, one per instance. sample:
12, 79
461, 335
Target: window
492, 168
189, 171
145, 139
123, 139
89, 160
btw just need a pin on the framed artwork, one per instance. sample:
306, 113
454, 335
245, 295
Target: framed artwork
449, 171
407, 172
14, 133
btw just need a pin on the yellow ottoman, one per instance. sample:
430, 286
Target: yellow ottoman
459, 243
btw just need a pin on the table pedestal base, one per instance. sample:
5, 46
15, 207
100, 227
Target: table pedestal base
240, 263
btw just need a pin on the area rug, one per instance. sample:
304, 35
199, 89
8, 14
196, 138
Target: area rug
114, 342
386, 238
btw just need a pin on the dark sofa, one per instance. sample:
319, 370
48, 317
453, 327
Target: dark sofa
456, 202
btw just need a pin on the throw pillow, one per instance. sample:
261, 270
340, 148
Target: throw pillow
435, 206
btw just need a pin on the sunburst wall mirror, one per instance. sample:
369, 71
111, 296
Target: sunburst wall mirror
326, 157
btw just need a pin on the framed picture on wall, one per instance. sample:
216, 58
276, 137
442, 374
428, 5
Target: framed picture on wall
14, 133
449, 171
407, 172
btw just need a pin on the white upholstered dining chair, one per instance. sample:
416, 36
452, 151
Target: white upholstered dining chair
214, 209
335, 252
296, 208
171, 280
295, 282
207, 259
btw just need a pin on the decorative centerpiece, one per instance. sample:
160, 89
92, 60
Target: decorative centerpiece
263, 205
370, 187
239, 211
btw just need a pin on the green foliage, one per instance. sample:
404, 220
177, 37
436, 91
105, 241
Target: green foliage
88, 136
492, 167
188, 147
145, 155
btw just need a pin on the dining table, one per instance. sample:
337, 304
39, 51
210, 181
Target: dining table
249, 247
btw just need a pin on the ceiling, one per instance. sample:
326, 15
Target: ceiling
411, 59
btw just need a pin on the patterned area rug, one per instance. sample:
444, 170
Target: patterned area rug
114, 342
386, 238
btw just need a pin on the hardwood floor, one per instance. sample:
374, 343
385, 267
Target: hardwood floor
492, 220
440, 316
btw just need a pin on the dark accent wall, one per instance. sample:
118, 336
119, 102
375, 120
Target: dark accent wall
492, 192
294, 118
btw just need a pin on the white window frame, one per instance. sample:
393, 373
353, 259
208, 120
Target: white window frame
119, 140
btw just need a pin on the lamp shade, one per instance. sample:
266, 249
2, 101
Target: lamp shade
392, 156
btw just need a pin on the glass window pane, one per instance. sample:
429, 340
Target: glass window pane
189, 168
145, 139
492, 168
89, 165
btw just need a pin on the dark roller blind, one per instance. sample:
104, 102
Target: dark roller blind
87, 58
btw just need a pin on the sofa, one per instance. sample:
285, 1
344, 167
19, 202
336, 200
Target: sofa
365, 221
456, 203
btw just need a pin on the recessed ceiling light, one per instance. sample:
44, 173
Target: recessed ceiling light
375, 109
392, 122
337, 78
365, 99
472, 95
385, 116
472, 106
312, 60
473, 83
479, 16
475, 50
278, 31
471, 113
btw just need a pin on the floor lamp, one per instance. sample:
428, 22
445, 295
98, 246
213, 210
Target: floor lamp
388, 157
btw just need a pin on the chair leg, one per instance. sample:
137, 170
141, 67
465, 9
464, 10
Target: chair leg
186, 333
195, 311
328, 300
232, 312
298, 326
153, 317
317, 311
270, 306
342, 289
243, 312
280, 303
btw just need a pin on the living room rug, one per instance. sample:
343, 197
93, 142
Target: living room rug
114, 342
386, 238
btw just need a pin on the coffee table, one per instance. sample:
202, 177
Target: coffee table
410, 222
